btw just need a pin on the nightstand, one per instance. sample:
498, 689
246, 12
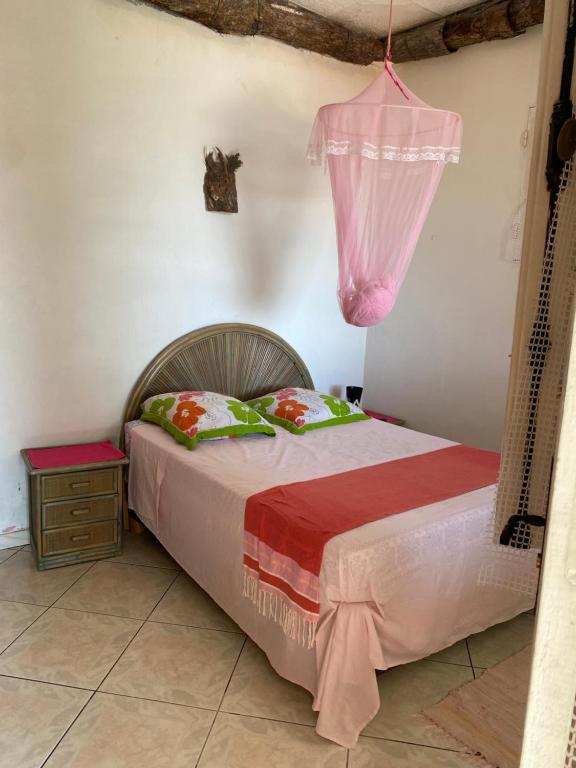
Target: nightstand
384, 417
75, 502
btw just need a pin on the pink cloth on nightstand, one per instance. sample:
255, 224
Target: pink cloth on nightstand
65, 455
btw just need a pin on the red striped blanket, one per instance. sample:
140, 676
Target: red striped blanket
287, 527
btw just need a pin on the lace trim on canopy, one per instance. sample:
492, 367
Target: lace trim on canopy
385, 152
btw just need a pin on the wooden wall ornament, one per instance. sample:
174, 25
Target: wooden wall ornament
220, 181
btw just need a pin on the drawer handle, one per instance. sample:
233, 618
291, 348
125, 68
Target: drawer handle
79, 511
80, 485
82, 537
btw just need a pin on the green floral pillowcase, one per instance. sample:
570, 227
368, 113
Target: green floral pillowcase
300, 410
193, 416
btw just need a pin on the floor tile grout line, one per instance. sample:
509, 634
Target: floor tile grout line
24, 630
111, 693
119, 616
23, 602
197, 763
156, 701
347, 758
232, 672
157, 603
470, 659
413, 743
221, 702
9, 557
267, 719
194, 626
441, 661
55, 747
96, 613
144, 622
71, 585
47, 682
102, 613
107, 675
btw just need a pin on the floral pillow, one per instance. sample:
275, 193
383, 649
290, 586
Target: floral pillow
193, 416
300, 410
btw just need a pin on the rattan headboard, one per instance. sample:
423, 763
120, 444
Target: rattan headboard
239, 360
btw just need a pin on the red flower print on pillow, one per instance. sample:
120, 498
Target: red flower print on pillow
290, 410
188, 396
284, 394
187, 414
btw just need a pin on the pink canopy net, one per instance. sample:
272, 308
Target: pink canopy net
386, 150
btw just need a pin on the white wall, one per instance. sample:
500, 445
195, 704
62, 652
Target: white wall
107, 253
441, 359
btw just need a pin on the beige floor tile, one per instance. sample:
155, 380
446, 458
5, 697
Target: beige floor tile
181, 665
119, 732
501, 641
186, 603
455, 654
14, 619
247, 742
6, 553
144, 549
378, 753
33, 718
118, 590
20, 580
405, 691
69, 647
256, 689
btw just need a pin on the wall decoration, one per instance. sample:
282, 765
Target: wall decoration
220, 181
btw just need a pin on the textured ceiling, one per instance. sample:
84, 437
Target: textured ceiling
372, 15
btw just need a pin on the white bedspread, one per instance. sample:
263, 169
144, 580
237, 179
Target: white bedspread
392, 591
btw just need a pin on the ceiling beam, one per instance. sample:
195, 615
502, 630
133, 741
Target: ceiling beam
492, 20
289, 23
280, 20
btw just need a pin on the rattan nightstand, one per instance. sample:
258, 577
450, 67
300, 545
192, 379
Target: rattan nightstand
75, 502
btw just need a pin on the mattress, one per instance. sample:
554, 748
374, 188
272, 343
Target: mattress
392, 591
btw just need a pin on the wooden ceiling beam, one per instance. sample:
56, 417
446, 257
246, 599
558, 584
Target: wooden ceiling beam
491, 20
289, 23
280, 20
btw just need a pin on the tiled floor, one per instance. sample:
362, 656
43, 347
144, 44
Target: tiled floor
75, 642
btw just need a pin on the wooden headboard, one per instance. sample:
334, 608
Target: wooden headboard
243, 361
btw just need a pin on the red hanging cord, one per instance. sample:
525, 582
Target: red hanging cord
389, 45
388, 59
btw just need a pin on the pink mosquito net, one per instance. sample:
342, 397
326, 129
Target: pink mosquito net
386, 150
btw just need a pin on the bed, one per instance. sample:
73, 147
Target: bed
391, 592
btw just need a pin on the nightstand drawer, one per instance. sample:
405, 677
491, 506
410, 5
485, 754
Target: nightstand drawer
61, 513
80, 484
79, 537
